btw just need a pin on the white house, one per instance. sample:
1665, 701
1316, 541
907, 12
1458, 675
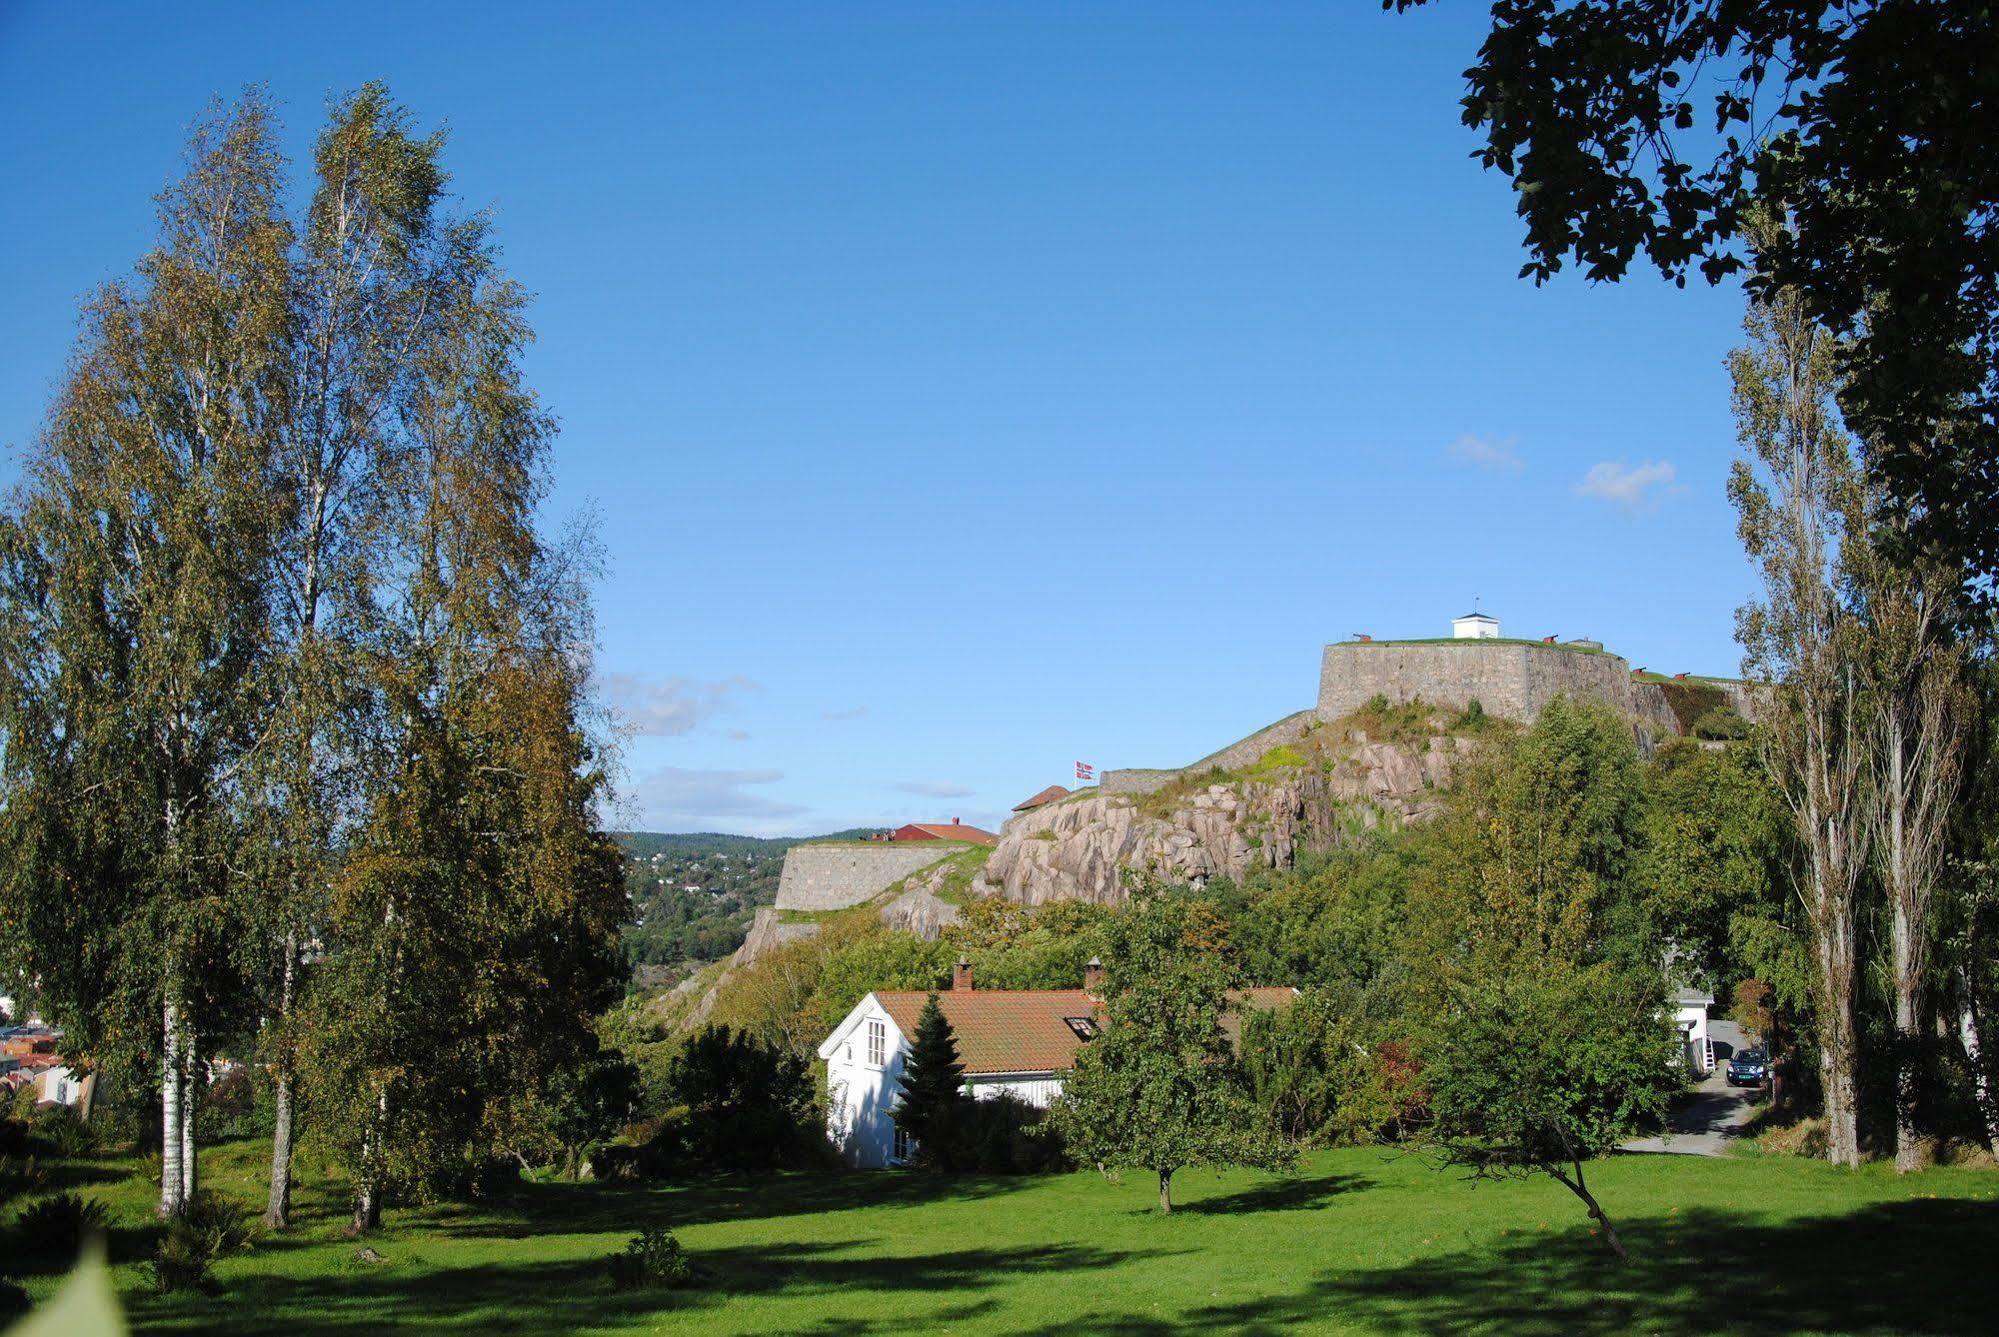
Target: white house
1690, 1007
1475, 627
1016, 1042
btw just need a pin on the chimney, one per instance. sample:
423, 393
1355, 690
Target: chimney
1093, 976
954, 821
961, 976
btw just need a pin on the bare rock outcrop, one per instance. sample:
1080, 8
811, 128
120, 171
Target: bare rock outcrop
1082, 848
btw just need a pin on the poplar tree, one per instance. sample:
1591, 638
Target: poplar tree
1800, 498
135, 631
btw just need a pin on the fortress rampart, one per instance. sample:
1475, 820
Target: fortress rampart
835, 876
1512, 680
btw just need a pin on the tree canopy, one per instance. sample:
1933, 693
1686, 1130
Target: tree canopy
1654, 128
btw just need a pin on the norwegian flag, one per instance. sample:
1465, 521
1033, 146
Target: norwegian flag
1085, 771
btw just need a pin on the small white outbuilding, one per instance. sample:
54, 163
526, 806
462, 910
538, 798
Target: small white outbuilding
1475, 627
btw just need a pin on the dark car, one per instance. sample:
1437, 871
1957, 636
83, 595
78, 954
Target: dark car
1749, 1067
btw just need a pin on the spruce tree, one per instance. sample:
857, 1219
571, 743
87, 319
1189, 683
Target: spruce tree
932, 1086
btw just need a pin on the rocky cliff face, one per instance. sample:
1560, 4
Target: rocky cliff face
1082, 848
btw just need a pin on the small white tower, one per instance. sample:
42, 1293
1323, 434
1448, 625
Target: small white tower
1475, 626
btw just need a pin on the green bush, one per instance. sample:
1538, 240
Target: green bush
1721, 723
70, 1137
208, 1227
1002, 1136
57, 1227
653, 1260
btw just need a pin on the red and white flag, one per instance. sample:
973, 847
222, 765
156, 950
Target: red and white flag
1085, 771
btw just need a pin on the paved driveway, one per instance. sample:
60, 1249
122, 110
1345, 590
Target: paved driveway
1711, 1115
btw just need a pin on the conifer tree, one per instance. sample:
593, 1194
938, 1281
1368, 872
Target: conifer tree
932, 1086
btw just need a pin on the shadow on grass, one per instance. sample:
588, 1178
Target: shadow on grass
590, 1208
578, 1293
1890, 1268
1297, 1194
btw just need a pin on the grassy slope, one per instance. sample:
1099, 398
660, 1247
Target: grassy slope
1361, 1240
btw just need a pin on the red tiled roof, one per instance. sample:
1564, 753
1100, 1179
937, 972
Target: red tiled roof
944, 831
1045, 797
1027, 1030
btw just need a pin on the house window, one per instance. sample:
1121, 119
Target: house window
1084, 1027
901, 1143
877, 1043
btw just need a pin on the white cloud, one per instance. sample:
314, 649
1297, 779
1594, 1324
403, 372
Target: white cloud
1626, 485
1487, 452
666, 707
675, 797
850, 713
933, 789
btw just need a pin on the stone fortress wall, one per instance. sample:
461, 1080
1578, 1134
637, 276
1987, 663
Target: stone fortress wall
1243, 752
1512, 680
834, 876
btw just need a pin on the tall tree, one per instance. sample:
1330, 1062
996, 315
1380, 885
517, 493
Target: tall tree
473, 927
366, 297
1800, 498
1161, 1088
1655, 128
1920, 710
932, 1087
135, 631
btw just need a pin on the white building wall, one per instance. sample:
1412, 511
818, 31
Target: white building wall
860, 1094
1040, 1092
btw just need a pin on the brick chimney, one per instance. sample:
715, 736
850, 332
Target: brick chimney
961, 976
954, 821
1093, 976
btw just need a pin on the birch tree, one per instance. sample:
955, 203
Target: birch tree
1799, 498
135, 632
365, 295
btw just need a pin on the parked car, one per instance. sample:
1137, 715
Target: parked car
1749, 1067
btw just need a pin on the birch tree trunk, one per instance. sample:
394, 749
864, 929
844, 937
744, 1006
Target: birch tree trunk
277, 1208
190, 1110
172, 1185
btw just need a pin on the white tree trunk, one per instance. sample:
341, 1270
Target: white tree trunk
172, 1183
190, 1110
1981, 1084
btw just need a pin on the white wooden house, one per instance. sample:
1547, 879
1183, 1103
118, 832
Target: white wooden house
1016, 1042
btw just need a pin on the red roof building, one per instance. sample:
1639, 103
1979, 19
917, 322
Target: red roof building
1043, 799
951, 830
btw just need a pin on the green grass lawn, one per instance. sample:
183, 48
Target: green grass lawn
1359, 1240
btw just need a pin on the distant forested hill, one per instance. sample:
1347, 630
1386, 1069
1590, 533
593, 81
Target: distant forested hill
693, 895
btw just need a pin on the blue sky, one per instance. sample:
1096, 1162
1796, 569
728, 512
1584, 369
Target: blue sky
966, 390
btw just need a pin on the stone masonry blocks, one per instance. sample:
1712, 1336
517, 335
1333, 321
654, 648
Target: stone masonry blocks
833, 877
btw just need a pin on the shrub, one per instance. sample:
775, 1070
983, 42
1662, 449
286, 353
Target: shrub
1004, 1135
653, 1260
1720, 722
58, 1226
1806, 1137
70, 1137
1281, 757
206, 1229
13, 1300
